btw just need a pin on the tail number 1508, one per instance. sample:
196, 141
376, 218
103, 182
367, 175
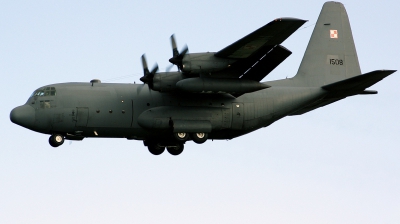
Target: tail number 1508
336, 61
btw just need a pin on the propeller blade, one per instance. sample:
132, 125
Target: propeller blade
183, 52
144, 65
154, 69
147, 75
167, 69
176, 56
175, 52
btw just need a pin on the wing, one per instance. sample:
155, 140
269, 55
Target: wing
265, 38
260, 52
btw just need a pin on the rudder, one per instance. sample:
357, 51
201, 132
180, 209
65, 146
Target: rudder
331, 54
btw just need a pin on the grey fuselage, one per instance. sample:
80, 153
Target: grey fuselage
133, 111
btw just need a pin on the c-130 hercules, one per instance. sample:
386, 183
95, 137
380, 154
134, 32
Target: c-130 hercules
213, 95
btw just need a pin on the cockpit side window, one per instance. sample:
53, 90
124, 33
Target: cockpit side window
46, 91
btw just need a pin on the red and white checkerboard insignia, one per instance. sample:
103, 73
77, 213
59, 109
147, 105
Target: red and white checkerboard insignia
334, 34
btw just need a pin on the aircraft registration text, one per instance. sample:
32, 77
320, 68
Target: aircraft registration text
336, 61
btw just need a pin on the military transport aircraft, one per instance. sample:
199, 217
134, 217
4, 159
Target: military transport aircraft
213, 95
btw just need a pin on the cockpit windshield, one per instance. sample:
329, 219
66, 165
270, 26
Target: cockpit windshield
45, 91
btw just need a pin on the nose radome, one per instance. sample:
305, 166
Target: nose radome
23, 115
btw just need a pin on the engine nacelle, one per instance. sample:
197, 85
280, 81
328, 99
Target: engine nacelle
204, 63
166, 81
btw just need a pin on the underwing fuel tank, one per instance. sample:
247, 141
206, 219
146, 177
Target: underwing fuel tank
210, 85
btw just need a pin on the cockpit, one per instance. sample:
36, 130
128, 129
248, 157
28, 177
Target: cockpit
45, 91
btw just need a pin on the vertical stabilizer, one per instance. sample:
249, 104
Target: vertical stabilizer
331, 54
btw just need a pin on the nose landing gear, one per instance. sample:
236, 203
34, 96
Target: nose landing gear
56, 140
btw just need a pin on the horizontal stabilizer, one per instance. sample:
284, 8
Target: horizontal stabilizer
359, 83
368, 92
348, 87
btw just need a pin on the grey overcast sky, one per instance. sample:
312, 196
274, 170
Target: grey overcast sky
337, 164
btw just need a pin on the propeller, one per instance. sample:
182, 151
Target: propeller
176, 56
148, 76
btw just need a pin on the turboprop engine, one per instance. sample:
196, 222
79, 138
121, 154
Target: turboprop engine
166, 81
197, 63
202, 63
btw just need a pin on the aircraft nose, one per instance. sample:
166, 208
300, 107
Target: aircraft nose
23, 115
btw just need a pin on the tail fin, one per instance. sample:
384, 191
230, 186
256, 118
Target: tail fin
331, 54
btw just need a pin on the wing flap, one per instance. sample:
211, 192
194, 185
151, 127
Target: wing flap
267, 63
272, 34
257, 66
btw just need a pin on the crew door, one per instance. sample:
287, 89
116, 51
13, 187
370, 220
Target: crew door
237, 116
82, 114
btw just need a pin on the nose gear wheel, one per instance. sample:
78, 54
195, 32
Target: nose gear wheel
56, 140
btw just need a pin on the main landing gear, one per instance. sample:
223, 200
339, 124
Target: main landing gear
175, 147
158, 148
199, 137
155, 148
56, 140
175, 150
